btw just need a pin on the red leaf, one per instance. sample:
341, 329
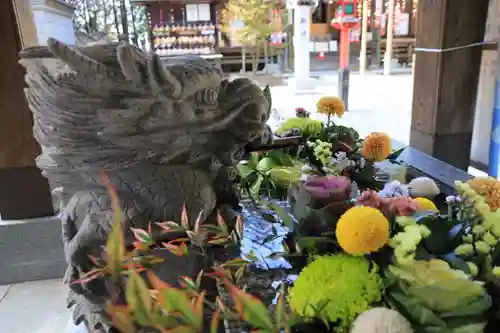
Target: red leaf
239, 226
219, 273
179, 240
169, 226
220, 305
222, 225
156, 282
188, 283
184, 218
179, 250
250, 308
96, 261
236, 262
214, 325
197, 223
142, 236
90, 275
198, 279
198, 305
115, 203
121, 317
218, 240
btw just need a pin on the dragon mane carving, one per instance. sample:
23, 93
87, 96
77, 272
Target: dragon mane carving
165, 132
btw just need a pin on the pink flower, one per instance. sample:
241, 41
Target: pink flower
401, 206
369, 198
331, 188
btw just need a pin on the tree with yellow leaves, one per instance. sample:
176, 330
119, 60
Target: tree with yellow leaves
255, 29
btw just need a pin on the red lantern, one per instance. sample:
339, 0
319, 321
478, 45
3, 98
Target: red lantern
345, 19
345, 16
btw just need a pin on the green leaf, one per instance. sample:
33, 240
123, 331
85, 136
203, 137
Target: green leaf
253, 161
284, 176
174, 300
417, 311
282, 158
477, 307
266, 164
441, 240
115, 250
395, 154
467, 325
244, 169
286, 219
255, 189
138, 298
457, 263
251, 309
122, 318
280, 309
313, 242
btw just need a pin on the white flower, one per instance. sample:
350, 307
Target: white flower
394, 189
306, 168
304, 177
341, 155
362, 162
423, 187
451, 199
328, 170
340, 161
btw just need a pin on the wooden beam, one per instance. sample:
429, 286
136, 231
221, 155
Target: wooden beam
24, 193
445, 83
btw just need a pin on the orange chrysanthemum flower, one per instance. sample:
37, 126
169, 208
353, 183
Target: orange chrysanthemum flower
489, 188
376, 147
330, 105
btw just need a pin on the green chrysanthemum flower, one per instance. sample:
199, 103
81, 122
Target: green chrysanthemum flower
336, 288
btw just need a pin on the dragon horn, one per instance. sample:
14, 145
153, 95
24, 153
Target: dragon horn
75, 59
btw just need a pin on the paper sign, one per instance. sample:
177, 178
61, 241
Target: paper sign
192, 13
322, 47
334, 46
204, 12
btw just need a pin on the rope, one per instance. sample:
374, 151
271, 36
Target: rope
429, 50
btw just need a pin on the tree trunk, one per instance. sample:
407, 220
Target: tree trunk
135, 37
266, 57
124, 19
256, 56
86, 14
243, 59
105, 14
115, 14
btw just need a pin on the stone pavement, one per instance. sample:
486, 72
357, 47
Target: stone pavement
33, 307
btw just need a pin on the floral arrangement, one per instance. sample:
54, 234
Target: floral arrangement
438, 272
370, 257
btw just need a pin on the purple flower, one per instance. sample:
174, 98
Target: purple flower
331, 188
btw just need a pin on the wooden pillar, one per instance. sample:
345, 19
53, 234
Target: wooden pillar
445, 83
24, 193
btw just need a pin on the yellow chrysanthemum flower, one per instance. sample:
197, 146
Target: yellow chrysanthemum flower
489, 188
362, 230
425, 204
330, 105
376, 147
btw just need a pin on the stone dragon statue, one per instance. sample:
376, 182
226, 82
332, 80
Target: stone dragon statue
166, 133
